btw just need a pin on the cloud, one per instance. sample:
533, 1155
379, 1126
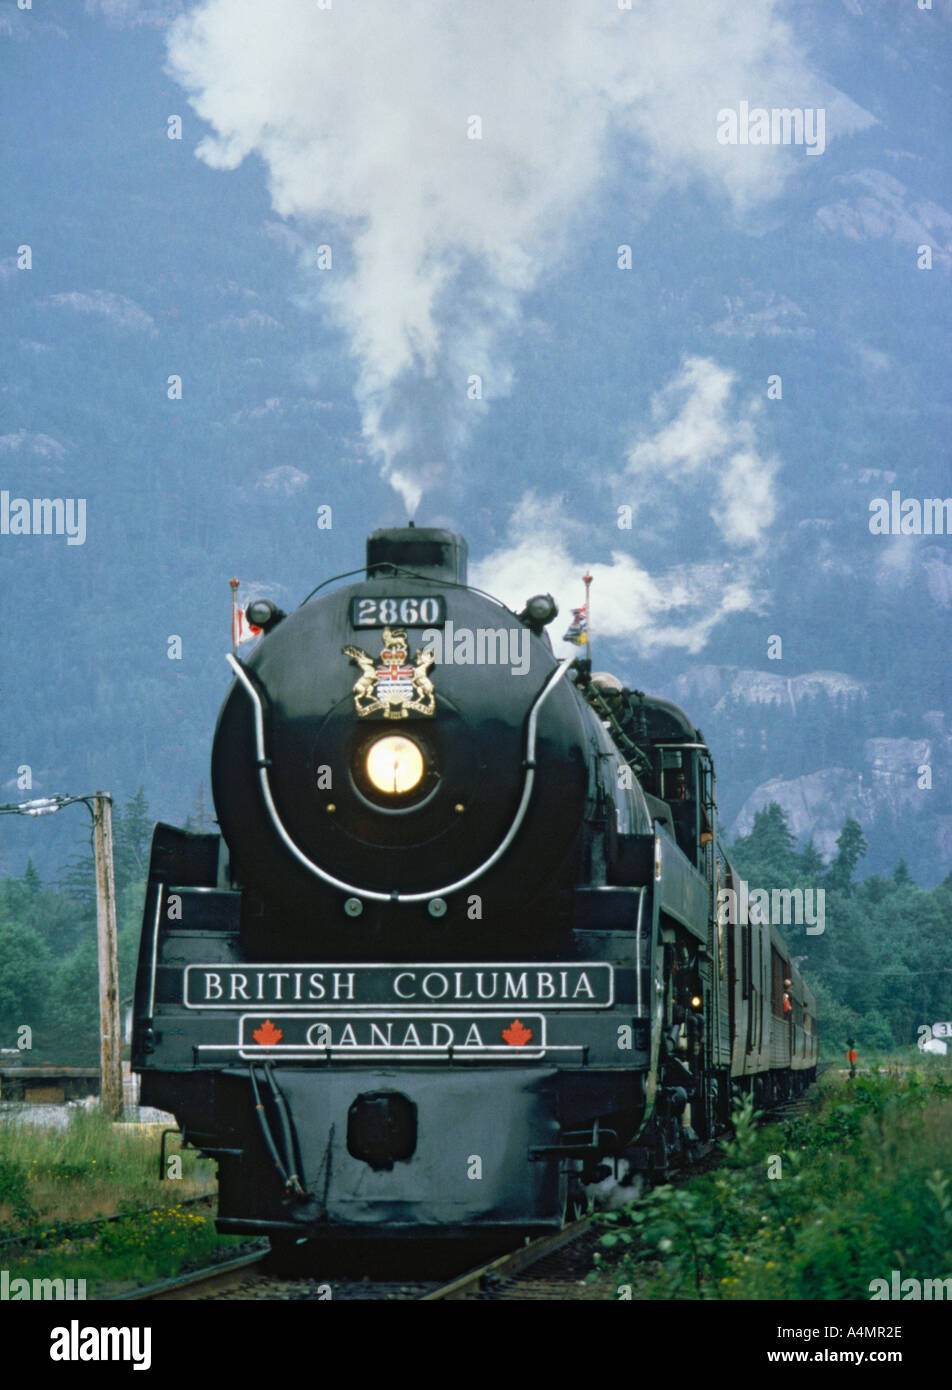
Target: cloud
701, 460
872, 358
676, 609
703, 442
43, 445
899, 562
295, 243
362, 116
285, 478
125, 313
876, 475
778, 317
29, 26
877, 205
907, 563
272, 406
135, 14
279, 406
938, 572
233, 287
255, 319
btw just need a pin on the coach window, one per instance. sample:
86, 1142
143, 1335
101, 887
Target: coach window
777, 983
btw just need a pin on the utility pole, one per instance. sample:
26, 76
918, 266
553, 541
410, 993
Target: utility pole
110, 1036
99, 806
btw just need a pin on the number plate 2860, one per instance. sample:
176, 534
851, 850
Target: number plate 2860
427, 610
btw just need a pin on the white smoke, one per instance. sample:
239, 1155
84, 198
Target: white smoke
363, 113
702, 474
698, 441
677, 608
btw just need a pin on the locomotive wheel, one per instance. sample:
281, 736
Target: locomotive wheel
573, 1199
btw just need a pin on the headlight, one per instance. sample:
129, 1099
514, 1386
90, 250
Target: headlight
394, 764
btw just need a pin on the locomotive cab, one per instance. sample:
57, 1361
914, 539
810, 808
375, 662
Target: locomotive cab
684, 776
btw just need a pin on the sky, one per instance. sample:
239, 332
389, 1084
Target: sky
507, 267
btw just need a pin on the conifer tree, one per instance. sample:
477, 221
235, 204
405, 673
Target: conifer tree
850, 848
810, 862
132, 832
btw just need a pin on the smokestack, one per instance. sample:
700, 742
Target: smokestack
426, 550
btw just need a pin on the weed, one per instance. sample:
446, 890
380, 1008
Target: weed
865, 1187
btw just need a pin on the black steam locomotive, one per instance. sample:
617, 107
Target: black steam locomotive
456, 956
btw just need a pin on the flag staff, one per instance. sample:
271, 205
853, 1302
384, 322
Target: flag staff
234, 615
587, 581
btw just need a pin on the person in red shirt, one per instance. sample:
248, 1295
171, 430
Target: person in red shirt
851, 1056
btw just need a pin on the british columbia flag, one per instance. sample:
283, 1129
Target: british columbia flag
578, 627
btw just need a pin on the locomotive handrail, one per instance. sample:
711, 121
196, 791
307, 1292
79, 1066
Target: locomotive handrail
159, 898
391, 570
368, 893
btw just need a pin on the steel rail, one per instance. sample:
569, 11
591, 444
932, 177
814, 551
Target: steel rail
504, 1265
211, 1277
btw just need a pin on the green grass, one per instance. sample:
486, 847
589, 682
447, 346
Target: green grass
137, 1250
876, 1058
54, 1183
865, 1187
89, 1168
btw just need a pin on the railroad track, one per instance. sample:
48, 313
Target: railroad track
201, 1283
551, 1267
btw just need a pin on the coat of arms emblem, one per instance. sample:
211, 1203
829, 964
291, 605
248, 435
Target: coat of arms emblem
396, 686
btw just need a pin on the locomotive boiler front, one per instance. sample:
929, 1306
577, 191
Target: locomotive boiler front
386, 746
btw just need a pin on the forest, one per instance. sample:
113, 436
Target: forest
49, 972
881, 969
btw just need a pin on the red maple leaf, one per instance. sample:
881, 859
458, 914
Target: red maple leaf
516, 1035
267, 1035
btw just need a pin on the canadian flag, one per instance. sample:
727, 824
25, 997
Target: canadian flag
241, 629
